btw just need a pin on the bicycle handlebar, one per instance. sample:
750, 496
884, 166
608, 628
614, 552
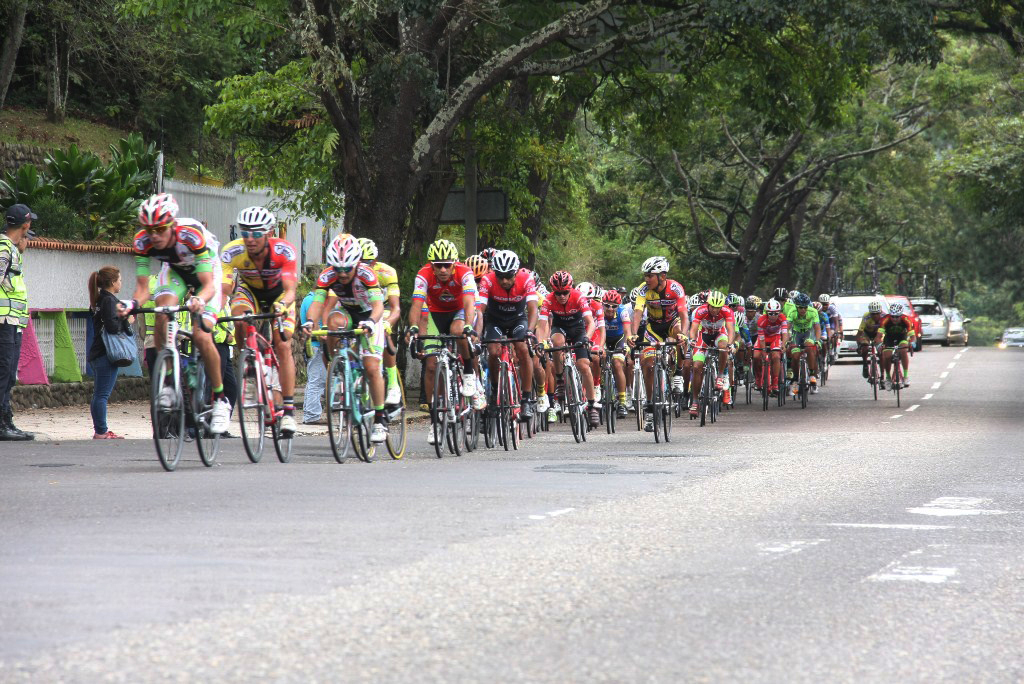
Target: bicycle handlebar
246, 318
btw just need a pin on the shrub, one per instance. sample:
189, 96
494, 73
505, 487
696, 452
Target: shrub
58, 220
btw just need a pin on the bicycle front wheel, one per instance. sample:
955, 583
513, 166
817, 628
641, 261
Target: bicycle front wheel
169, 419
282, 444
206, 442
397, 437
362, 416
251, 408
339, 421
439, 419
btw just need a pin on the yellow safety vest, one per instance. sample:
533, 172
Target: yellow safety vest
13, 295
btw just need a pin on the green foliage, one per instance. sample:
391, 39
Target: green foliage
58, 220
25, 186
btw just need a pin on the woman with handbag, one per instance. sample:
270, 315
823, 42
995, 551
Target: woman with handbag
113, 345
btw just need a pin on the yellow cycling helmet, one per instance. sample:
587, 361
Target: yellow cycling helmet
369, 249
716, 298
443, 250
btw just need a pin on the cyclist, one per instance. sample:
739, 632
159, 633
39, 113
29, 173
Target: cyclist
387, 277
834, 317
781, 296
566, 319
713, 328
868, 332
360, 303
508, 308
694, 303
617, 323
540, 376
899, 334
592, 293
736, 303
190, 272
772, 338
805, 329
665, 304
448, 290
261, 275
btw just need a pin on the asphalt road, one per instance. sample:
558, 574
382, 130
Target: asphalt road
851, 541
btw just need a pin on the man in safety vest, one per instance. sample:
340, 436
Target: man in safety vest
13, 312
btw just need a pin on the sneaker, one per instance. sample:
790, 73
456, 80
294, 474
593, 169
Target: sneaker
864, 371
394, 395
719, 382
678, 384
552, 415
527, 411
378, 433
597, 393
432, 436
595, 416
648, 423
479, 401
542, 403
468, 385
557, 408
220, 416
166, 399
287, 426
109, 434
694, 409
727, 397
622, 411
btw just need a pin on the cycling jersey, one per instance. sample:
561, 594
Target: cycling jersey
356, 297
710, 322
869, 326
614, 325
742, 331
500, 304
823, 322
771, 329
444, 297
193, 251
387, 277
752, 325
663, 307
281, 263
568, 315
804, 323
833, 314
897, 329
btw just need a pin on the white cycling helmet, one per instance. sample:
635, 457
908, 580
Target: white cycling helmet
505, 261
344, 251
793, 294
824, 298
875, 307
656, 264
772, 306
158, 210
586, 289
694, 301
896, 309
634, 294
257, 219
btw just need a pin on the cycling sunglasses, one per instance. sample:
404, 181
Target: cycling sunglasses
159, 229
344, 269
253, 233
505, 275
773, 313
442, 264
562, 293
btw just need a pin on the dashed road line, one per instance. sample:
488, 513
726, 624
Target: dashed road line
951, 365
944, 374
892, 526
914, 407
909, 568
551, 514
946, 506
898, 415
927, 396
936, 385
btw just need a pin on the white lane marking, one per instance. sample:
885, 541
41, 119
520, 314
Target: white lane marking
898, 415
787, 548
957, 357
936, 385
964, 350
946, 506
902, 571
927, 397
944, 374
891, 526
561, 511
537, 517
951, 365
913, 408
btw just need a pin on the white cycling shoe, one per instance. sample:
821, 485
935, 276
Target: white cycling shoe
542, 403
166, 398
469, 387
287, 426
378, 433
394, 395
220, 416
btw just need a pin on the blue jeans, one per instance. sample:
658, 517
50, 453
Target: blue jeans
104, 376
316, 382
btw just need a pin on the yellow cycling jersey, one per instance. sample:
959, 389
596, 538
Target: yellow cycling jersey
280, 264
388, 279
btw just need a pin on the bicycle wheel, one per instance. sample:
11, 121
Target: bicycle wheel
207, 443
657, 400
250, 405
456, 416
339, 419
748, 381
397, 436
439, 419
666, 420
489, 426
168, 421
504, 412
362, 416
638, 399
472, 433
572, 400
282, 444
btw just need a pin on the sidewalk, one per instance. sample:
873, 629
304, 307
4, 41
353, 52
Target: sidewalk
130, 419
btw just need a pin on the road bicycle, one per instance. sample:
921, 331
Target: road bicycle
874, 370
895, 372
540, 386
609, 392
259, 376
709, 397
506, 412
662, 403
185, 376
802, 377
449, 409
638, 389
575, 410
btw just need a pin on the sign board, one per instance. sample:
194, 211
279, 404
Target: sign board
491, 206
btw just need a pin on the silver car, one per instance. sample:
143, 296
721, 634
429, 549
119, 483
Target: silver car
1012, 337
934, 323
958, 327
852, 308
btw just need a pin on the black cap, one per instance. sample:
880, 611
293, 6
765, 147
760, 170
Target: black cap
18, 214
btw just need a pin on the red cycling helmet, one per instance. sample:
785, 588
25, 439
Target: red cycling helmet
611, 298
561, 280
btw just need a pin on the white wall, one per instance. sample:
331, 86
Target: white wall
58, 279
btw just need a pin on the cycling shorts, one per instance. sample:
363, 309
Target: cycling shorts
617, 345
800, 339
574, 336
169, 281
771, 342
707, 340
262, 301
496, 328
441, 324
370, 346
895, 340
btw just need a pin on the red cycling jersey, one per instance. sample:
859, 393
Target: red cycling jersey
499, 303
571, 314
444, 297
281, 263
770, 331
713, 322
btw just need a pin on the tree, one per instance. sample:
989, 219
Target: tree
12, 42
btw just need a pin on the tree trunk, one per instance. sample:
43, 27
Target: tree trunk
56, 78
12, 42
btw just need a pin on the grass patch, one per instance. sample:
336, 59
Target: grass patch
30, 127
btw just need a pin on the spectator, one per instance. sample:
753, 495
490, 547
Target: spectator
14, 237
316, 370
104, 285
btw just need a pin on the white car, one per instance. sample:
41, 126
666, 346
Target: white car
852, 309
934, 322
1012, 337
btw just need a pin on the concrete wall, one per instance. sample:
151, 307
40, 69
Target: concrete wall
58, 279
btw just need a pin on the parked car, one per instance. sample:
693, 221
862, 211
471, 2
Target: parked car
1012, 337
957, 327
934, 320
909, 309
852, 308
